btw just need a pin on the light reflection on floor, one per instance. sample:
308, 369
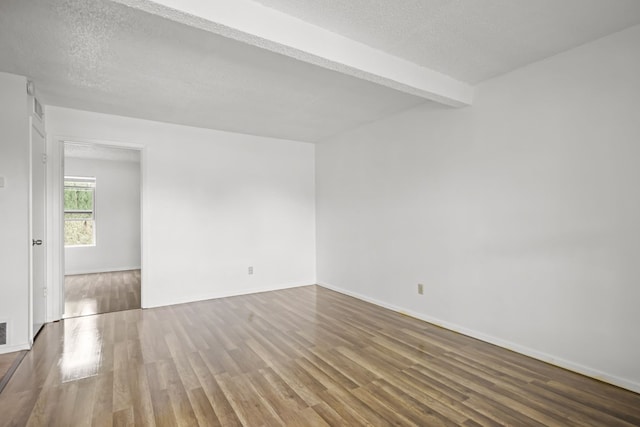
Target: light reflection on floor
82, 349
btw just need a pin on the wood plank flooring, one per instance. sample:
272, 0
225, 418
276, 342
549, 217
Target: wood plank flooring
8, 364
303, 357
101, 292
6, 360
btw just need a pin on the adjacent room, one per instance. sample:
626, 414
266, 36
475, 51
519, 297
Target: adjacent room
101, 203
278, 212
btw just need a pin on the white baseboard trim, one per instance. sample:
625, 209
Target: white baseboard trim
13, 348
100, 270
545, 357
226, 294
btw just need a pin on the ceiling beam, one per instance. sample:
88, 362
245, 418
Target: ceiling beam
255, 24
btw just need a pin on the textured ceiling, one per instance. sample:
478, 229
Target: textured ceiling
101, 56
470, 40
104, 56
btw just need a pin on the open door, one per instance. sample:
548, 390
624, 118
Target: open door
38, 254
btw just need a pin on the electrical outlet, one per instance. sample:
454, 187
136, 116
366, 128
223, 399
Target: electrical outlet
251, 270
420, 289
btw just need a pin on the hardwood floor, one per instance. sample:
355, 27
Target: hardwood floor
101, 293
8, 363
305, 356
6, 360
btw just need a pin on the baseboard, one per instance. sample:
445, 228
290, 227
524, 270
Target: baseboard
216, 295
13, 348
100, 270
545, 357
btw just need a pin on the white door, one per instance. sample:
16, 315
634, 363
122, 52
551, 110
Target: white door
38, 256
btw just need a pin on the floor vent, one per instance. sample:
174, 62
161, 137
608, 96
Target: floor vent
3, 333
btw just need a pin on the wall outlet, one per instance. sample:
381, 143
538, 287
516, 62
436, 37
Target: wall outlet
420, 289
251, 270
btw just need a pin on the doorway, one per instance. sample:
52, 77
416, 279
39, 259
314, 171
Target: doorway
101, 216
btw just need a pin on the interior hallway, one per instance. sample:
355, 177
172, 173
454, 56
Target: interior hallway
86, 294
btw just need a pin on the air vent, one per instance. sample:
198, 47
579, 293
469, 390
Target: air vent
3, 333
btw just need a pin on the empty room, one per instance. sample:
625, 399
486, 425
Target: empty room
332, 213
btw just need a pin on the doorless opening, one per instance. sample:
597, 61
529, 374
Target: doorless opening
101, 211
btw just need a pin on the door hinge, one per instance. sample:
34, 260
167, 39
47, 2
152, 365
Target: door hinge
44, 158
44, 291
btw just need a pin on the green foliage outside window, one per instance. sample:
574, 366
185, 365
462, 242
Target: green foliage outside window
79, 214
78, 233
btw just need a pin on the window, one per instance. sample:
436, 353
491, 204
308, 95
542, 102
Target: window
79, 211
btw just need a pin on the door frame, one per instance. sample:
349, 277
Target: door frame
36, 125
55, 217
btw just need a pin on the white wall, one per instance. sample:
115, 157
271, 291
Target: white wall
117, 217
520, 214
214, 203
14, 211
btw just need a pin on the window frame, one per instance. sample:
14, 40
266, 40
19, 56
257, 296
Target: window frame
80, 179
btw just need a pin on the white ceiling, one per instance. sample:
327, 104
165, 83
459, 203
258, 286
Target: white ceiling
470, 40
101, 55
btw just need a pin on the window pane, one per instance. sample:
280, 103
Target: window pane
78, 199
78, 233
79, 228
